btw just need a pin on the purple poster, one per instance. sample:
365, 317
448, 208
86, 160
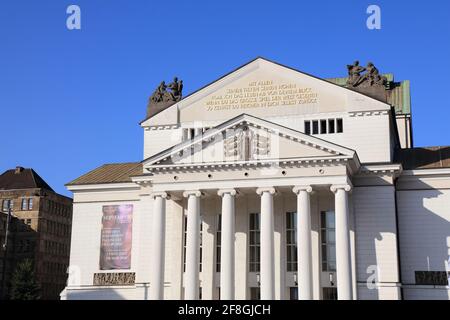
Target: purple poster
115, 246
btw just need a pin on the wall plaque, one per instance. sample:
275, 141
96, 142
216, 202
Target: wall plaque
435, 278
114, 278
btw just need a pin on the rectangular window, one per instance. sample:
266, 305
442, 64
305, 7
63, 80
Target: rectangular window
255, 293
30, 204
254, 243
7, 203
293, 293
315, 127
201, 249
307, 127
218, 241
330, 125
24, 205
323, 126
185, 242
291, 241
328, 241
339, 126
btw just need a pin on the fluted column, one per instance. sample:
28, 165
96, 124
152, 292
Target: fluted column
343, 256
304, 250
227, 245
158, 245
191, 280
267, 245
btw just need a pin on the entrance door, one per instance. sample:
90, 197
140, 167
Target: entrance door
328, 255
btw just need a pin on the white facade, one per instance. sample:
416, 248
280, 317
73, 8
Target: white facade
237, 148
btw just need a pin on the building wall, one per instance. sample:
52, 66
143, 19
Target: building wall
404, 130
85, 245
424, 231
376, 242
85, 250
357, 130
42, 234
160, 139
54, 231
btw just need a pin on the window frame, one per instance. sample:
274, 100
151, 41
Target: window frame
218, 243
307, 127
339, 125
315, 127
185, 243
291, 247
327, 255
254, 249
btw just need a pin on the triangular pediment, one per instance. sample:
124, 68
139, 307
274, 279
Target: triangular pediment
264, 89
248, 139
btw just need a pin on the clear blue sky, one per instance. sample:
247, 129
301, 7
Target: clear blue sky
71, 100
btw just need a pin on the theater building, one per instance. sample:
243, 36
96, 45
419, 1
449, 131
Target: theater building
268, 183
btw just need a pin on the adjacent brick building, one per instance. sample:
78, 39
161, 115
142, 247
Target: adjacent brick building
40, 229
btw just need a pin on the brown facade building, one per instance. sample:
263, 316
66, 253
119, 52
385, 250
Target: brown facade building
39, 229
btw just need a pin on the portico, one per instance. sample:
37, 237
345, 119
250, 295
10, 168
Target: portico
267, 272
297, 177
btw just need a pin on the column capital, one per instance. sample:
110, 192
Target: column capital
271, 190
346, 187
221, 192
188, 193
163, 195
297, 189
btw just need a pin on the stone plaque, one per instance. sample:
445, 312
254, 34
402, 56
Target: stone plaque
114, 278
262, 94
435, 278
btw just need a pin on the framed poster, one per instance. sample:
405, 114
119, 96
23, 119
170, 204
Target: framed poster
116, 237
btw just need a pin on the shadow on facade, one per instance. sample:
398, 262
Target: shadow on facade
430, 157
101, 294
429, 254
22, 244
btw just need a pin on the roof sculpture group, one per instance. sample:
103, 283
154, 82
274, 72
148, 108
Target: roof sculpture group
371, 77
164, 96
161, 95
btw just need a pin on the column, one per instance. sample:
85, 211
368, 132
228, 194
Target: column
198, 131
343, 257
158, 243
191, 279
227, 245
304, 246
267, 246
